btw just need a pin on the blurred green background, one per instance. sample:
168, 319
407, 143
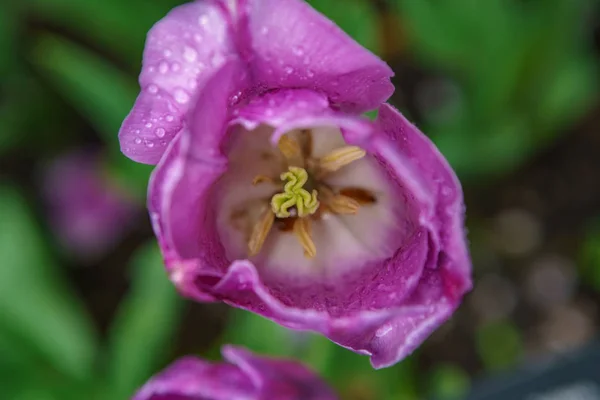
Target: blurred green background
508, 89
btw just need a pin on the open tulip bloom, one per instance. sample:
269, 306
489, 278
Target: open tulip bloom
273, 194
245, 376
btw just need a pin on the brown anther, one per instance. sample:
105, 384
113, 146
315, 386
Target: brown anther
339, 158
362, 196
261, 179
302, 229
260, 232
290, 148
340, 204
307, 143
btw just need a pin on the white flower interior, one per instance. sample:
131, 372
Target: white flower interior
342, 242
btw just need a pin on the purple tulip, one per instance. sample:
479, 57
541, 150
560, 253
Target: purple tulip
88, 212
274, 195
246, 376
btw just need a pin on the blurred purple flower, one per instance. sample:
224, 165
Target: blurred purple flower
245, 376
87, 212
365, 241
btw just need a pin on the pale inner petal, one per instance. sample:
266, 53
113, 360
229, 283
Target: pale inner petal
343, 242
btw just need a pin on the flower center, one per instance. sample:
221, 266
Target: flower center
306, 196
294, 195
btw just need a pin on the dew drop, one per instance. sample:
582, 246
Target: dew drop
203, 20
189, 54
383, 330
153, 89
137, 141
163, 67
217, 59
192, 84
167, 53
175, 67
181, 96
289, 70
197, 38
160, 132
446, 191
149, 144
310, 73
169, 118
299, 51
148, 125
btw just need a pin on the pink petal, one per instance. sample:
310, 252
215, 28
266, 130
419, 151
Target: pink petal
447, 220
243, 376
291, 45
182, 51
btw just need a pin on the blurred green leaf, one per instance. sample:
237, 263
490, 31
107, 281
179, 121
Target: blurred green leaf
9, 18
119, 26
499, 345
448, 382
24, 97
145, 324
590, 257
250, 330
357, 18
568, 95
93, 86
35, 301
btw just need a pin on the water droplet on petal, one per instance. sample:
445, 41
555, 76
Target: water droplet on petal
149, 144
310, 73
383, 330
189, 54
160, 132
163, 67
175, 67
299, 51
153, 89
217, 59
167, 53
203, 20
197, 37
446, 191
169, 118
148, 125
137, 141
192, 84
181, 96
289, 70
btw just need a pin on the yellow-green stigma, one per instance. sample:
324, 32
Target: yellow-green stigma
294, 195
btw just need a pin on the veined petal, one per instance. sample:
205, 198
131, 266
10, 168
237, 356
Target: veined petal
182, 51
243, 376
447, 220
294, 46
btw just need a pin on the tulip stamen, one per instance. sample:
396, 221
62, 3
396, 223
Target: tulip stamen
258, 179
338, 203
302, 230
291, 150
260, 232
339, 158
294, 195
